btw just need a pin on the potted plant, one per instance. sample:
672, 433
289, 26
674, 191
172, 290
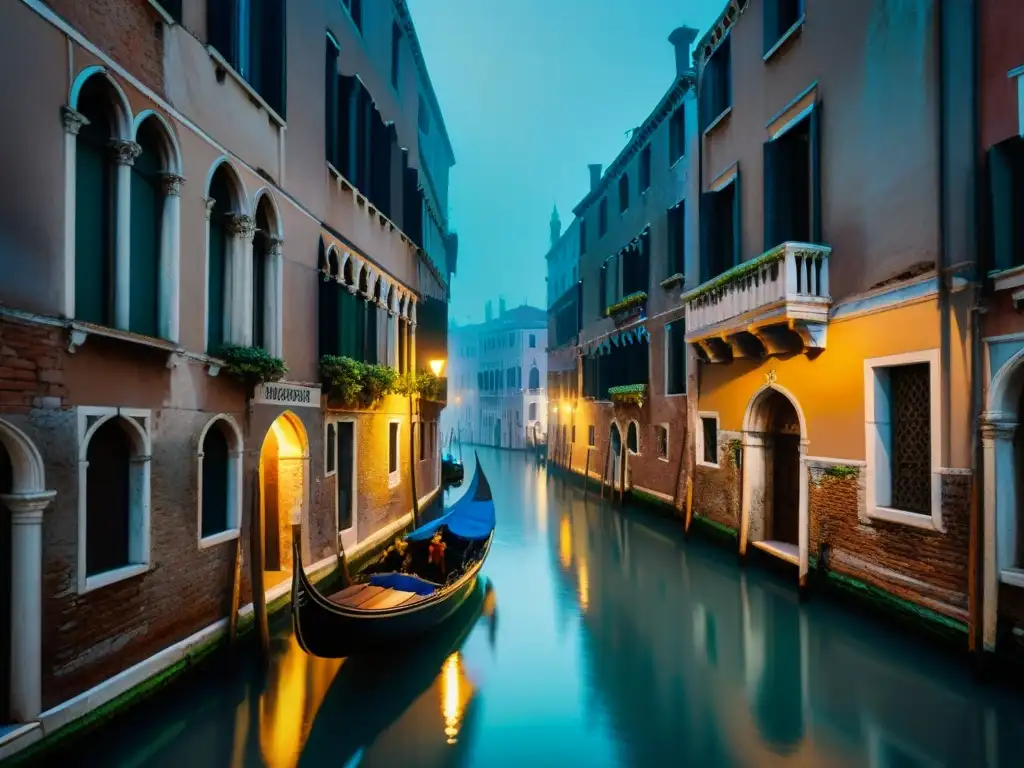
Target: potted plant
252, 365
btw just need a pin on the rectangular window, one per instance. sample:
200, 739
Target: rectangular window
583, 236
251, 36
532, 412
645, 168
591, 436
423, 440
572, 438
394, 474
533, 341
355, 10
602, 217
676, 136
623, 192
1006, 201
791, 187
396, 40
720, 230
779, 18
661, 440
707, 440
903, 422
716, 86
675, 358
330, 445
677, 239
331, 82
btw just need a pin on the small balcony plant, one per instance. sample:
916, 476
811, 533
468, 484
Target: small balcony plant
626, 303
253, 365
629, 394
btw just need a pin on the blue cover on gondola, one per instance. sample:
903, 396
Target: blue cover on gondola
403, 582
471, 517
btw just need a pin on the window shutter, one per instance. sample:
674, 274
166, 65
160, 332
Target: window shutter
220, 28
771, 24
1001, 201
331, 105
602, 294
346, 113
274, 55
771, 208
707, 215
815, 150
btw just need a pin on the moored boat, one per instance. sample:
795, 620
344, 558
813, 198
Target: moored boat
439, 566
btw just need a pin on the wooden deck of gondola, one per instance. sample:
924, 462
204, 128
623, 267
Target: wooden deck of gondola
367, 597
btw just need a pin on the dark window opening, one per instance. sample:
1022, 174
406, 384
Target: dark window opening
108, 499
623, 192
602, 217
533, 341
591, 435
602, 292
621, 366
532, 412
720, 230
583, 236
633, 438
172, 8
534, 378
779, 17
393, 448
675, 358
215, 480
636, 266
661, 438
791, 187
716, 85
709, 425
677, 239
423, 440
1006, 203
332, 134
147, 203
676, 136
910, 402
330, 462
217, 264
645, 168
251, 38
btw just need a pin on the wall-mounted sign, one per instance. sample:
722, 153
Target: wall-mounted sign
276, 393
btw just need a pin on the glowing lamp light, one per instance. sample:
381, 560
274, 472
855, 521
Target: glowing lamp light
554, 409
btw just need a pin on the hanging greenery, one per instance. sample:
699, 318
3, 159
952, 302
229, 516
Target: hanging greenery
629, 394
426, 385
251, 364
626, 302
343, 378
364, 385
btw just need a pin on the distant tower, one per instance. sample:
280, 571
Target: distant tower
501, 306
556, 226
488, 311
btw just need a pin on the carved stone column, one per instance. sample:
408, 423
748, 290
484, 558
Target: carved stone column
241, 228
124, 154
1000, 516
73, 122
26, 602
274, 316
170, 263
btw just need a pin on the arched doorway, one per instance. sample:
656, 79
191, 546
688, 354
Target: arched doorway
284, 490
774, 514
616, 450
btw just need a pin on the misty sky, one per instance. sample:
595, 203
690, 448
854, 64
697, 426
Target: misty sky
532, 91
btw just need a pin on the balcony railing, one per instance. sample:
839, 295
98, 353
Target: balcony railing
773, 304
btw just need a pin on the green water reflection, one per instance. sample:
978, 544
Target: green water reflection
606, 641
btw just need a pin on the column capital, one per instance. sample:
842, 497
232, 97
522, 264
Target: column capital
73, 120
27, 508
1001, 430
172, 184
210, 202
275, 244
125, 151
241, 225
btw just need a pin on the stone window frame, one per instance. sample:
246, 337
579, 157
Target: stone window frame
877, 439
395, 478
140, 511
699, 434
236, 451
639, 442
348, 536
328, 426
668, 437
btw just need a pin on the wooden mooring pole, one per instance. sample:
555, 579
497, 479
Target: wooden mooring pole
256, 563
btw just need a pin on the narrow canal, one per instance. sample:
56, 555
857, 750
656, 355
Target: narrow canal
607, 642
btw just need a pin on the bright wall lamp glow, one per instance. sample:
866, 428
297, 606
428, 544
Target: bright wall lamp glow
436, 366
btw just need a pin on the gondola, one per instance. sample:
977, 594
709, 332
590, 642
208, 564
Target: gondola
452, 471
393, 606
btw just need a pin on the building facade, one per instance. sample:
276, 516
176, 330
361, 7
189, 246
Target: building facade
497, 378
831, 297
619, 391
216, 189
1001, 136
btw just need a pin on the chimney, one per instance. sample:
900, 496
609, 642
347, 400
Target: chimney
488, 311
595, 175
501, 306
682, 38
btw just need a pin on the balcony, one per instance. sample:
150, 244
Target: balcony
775, 304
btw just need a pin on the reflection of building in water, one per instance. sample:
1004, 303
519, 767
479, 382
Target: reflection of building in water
695, 659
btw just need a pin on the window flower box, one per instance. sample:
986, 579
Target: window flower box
629, 394
673, 281
627, 309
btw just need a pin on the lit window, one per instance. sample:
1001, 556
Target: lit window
394, 473
707, 440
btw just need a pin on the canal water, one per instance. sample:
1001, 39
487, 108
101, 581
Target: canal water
605, 641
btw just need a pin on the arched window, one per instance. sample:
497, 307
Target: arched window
114, 466
229, 232
220, 469
95, 201
147, 235
534, 378
633, 438
267, 277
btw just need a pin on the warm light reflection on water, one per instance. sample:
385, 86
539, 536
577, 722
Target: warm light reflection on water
565, 542
583, 581
450, 697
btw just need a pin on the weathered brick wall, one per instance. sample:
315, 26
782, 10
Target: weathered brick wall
31, 367
923, 566
1011, 606
87, 638
129, 31
716, 492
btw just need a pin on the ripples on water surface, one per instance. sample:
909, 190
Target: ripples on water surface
605, 642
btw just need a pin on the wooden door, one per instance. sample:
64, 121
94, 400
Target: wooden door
786, 488
346, 457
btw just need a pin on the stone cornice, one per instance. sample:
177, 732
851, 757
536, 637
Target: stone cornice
672, 99
717, 32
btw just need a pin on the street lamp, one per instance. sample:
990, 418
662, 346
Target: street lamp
436, 366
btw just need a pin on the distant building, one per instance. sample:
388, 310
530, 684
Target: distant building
497, 375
